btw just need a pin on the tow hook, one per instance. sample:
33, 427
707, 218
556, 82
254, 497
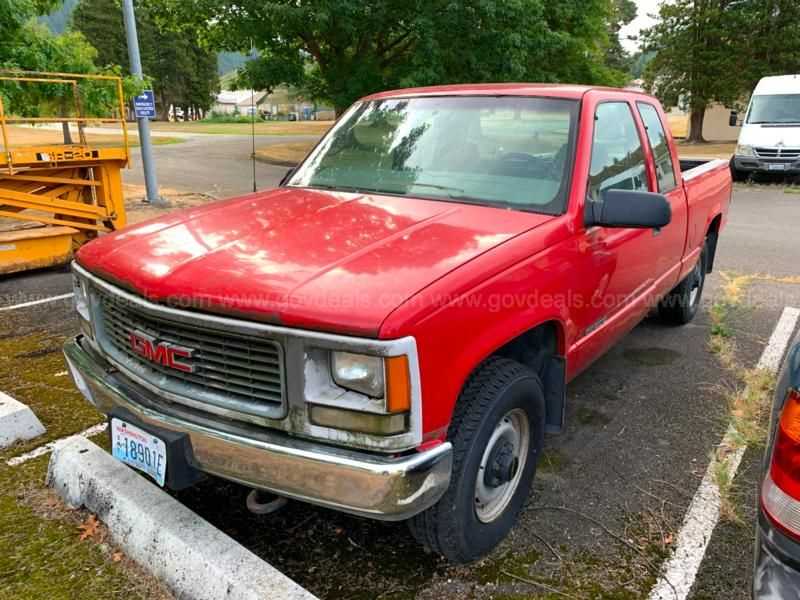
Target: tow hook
264, 503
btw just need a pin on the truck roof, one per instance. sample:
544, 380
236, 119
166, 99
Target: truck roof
778, 84
551, 90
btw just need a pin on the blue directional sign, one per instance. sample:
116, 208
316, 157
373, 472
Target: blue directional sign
144, 105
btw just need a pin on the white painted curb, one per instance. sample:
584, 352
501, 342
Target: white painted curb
17, 422
193, 559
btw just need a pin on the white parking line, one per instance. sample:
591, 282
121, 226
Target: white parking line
35, 302
779, 340
41, 450
679, 572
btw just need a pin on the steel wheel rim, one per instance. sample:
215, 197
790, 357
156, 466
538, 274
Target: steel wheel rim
490, 502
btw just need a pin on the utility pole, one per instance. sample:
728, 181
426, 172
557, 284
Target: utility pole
150, 181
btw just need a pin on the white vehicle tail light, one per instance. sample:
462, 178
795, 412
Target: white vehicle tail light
780, 492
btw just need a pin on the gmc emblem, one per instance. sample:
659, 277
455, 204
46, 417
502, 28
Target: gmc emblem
162, 353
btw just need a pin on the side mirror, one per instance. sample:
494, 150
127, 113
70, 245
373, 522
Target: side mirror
287, 177
733, 119
634, 209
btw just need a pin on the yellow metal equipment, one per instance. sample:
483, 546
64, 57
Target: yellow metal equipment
53, 198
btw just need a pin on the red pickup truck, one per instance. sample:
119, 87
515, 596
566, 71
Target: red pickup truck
390, 332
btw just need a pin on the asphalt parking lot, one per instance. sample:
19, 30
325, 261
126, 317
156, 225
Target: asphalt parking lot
612, 490
215, 165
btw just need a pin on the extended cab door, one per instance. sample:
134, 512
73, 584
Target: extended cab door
670, 244
628, 267
618, 161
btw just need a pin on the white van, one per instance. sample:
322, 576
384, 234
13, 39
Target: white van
770, 135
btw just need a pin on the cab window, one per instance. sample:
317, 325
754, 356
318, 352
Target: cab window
665, 172
617, 155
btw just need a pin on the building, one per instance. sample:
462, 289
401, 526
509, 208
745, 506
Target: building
237, 102
716, 126
281, 103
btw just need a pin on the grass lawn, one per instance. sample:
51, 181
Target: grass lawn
288, 154
46, 549
262, 127
28, 136
722, 150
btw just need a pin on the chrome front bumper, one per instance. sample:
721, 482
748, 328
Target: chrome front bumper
366, 484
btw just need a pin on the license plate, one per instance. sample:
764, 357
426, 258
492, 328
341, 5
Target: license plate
139, 449
777, 167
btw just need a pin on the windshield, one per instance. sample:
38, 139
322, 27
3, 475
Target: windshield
503, 151
778, 108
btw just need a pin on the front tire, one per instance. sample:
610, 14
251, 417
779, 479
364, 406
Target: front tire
680, 306
497, 434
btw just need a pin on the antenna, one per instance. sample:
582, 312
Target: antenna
253, 122
253, 133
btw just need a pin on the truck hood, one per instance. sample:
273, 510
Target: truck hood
298, 257
770, 136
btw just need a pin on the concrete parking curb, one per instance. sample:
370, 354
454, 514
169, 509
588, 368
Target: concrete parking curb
192, 558
17, 422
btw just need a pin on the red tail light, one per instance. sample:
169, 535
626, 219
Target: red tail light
780, 493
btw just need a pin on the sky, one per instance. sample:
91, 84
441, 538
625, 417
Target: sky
642, 20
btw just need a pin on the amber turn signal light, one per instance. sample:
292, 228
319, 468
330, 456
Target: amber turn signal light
398, 384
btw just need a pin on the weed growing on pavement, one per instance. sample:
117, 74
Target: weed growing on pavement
748, 399
724, 481
642, 545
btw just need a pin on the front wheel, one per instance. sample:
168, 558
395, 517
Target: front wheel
680, 305
497, 434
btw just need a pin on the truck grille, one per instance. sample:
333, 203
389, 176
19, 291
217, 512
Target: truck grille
787, 153
231, 371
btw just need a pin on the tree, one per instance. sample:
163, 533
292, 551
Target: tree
183, 73
14, 15
697, 59
771, 42
30, 46
622, 13
338, 50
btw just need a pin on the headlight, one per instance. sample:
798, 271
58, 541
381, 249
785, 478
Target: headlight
377, 399
80, 298
744, 150
358, 372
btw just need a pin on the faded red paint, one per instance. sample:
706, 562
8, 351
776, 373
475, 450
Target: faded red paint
386, 267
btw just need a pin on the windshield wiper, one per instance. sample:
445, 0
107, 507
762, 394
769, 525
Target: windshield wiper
438, 187
481, 201
349, 188
466, 198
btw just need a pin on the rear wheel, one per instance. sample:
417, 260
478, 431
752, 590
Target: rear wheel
681, 304
497, 434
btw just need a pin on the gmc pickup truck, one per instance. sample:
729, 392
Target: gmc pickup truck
390, 332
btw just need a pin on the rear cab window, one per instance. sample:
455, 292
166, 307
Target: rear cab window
665, 170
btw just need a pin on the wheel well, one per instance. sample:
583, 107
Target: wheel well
534, 347
712, 236
539, 348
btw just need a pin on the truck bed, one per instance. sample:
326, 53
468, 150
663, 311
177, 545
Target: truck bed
691, 167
